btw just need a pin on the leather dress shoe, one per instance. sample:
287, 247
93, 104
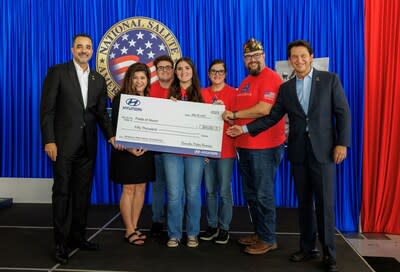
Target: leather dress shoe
61, 254
260, 247
330, 264
248, 240
84, 245
302, 256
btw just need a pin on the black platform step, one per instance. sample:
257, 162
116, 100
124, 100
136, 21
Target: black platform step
6, 202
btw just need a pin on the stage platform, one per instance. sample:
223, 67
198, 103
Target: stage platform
27, 245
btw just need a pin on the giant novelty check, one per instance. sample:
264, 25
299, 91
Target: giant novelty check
170, 126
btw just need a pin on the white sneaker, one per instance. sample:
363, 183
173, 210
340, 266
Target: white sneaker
173, 242
192, 241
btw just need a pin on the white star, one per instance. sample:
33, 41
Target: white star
112, 55
153, 36
132, 43
116, 45
124, 50
150, 55
125, 37
148, 44
140, 51
162, 47
140, 35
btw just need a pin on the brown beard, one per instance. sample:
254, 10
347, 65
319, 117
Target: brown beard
256, 71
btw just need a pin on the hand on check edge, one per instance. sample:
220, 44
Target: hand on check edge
136, 151
115, 145
227, 116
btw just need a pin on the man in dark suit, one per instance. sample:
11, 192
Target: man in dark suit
319, 134
73, 102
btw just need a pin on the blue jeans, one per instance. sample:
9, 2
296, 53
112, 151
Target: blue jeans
184, 174
158, 190
258, 168
217, 176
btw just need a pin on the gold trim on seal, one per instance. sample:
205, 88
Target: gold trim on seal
117, 30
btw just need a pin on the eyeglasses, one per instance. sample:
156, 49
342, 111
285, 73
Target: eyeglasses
165, 68
217, 72
254, 56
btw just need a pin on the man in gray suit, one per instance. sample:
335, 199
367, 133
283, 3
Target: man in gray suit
73, 103
319, 134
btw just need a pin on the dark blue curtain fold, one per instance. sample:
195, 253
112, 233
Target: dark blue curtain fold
38, 34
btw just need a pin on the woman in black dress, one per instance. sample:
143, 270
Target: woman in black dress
131, 167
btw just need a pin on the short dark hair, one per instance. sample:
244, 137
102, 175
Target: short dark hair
217, 61
299, 43
163, 58
81, 35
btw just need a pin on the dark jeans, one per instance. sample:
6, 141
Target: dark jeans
258, 168
158, 190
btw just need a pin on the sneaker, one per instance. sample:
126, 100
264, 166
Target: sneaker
210, 234
156, 229
192, 241
222, 238
173, 242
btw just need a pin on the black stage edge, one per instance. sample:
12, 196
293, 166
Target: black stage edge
27, 245
5, 202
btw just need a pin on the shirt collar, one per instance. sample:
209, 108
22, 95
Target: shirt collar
79, 68
309, 75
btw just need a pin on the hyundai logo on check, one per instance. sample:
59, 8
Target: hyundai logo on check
133, 102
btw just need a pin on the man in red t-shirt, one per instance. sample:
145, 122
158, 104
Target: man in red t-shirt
259, 156
160, 89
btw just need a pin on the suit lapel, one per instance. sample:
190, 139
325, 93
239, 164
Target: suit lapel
75, 82
314, 85
294, 97
91, 85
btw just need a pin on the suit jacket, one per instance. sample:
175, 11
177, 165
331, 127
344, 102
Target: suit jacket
328, 117
63, 118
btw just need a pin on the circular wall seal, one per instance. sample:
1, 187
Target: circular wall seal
136, 39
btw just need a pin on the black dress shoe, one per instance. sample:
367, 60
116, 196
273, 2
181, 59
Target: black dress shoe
61, 254
302, 256
330, 264
84, 245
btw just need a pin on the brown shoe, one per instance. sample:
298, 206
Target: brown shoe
260, 247
248, 240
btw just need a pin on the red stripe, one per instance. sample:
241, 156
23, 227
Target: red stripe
120, 70
125, 58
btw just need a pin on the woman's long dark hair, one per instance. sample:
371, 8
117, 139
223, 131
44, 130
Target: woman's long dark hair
194, 91
128, 79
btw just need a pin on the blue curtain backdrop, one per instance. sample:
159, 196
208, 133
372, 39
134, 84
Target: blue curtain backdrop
38, 34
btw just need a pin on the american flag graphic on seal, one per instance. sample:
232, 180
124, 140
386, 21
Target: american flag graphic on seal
137, 39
